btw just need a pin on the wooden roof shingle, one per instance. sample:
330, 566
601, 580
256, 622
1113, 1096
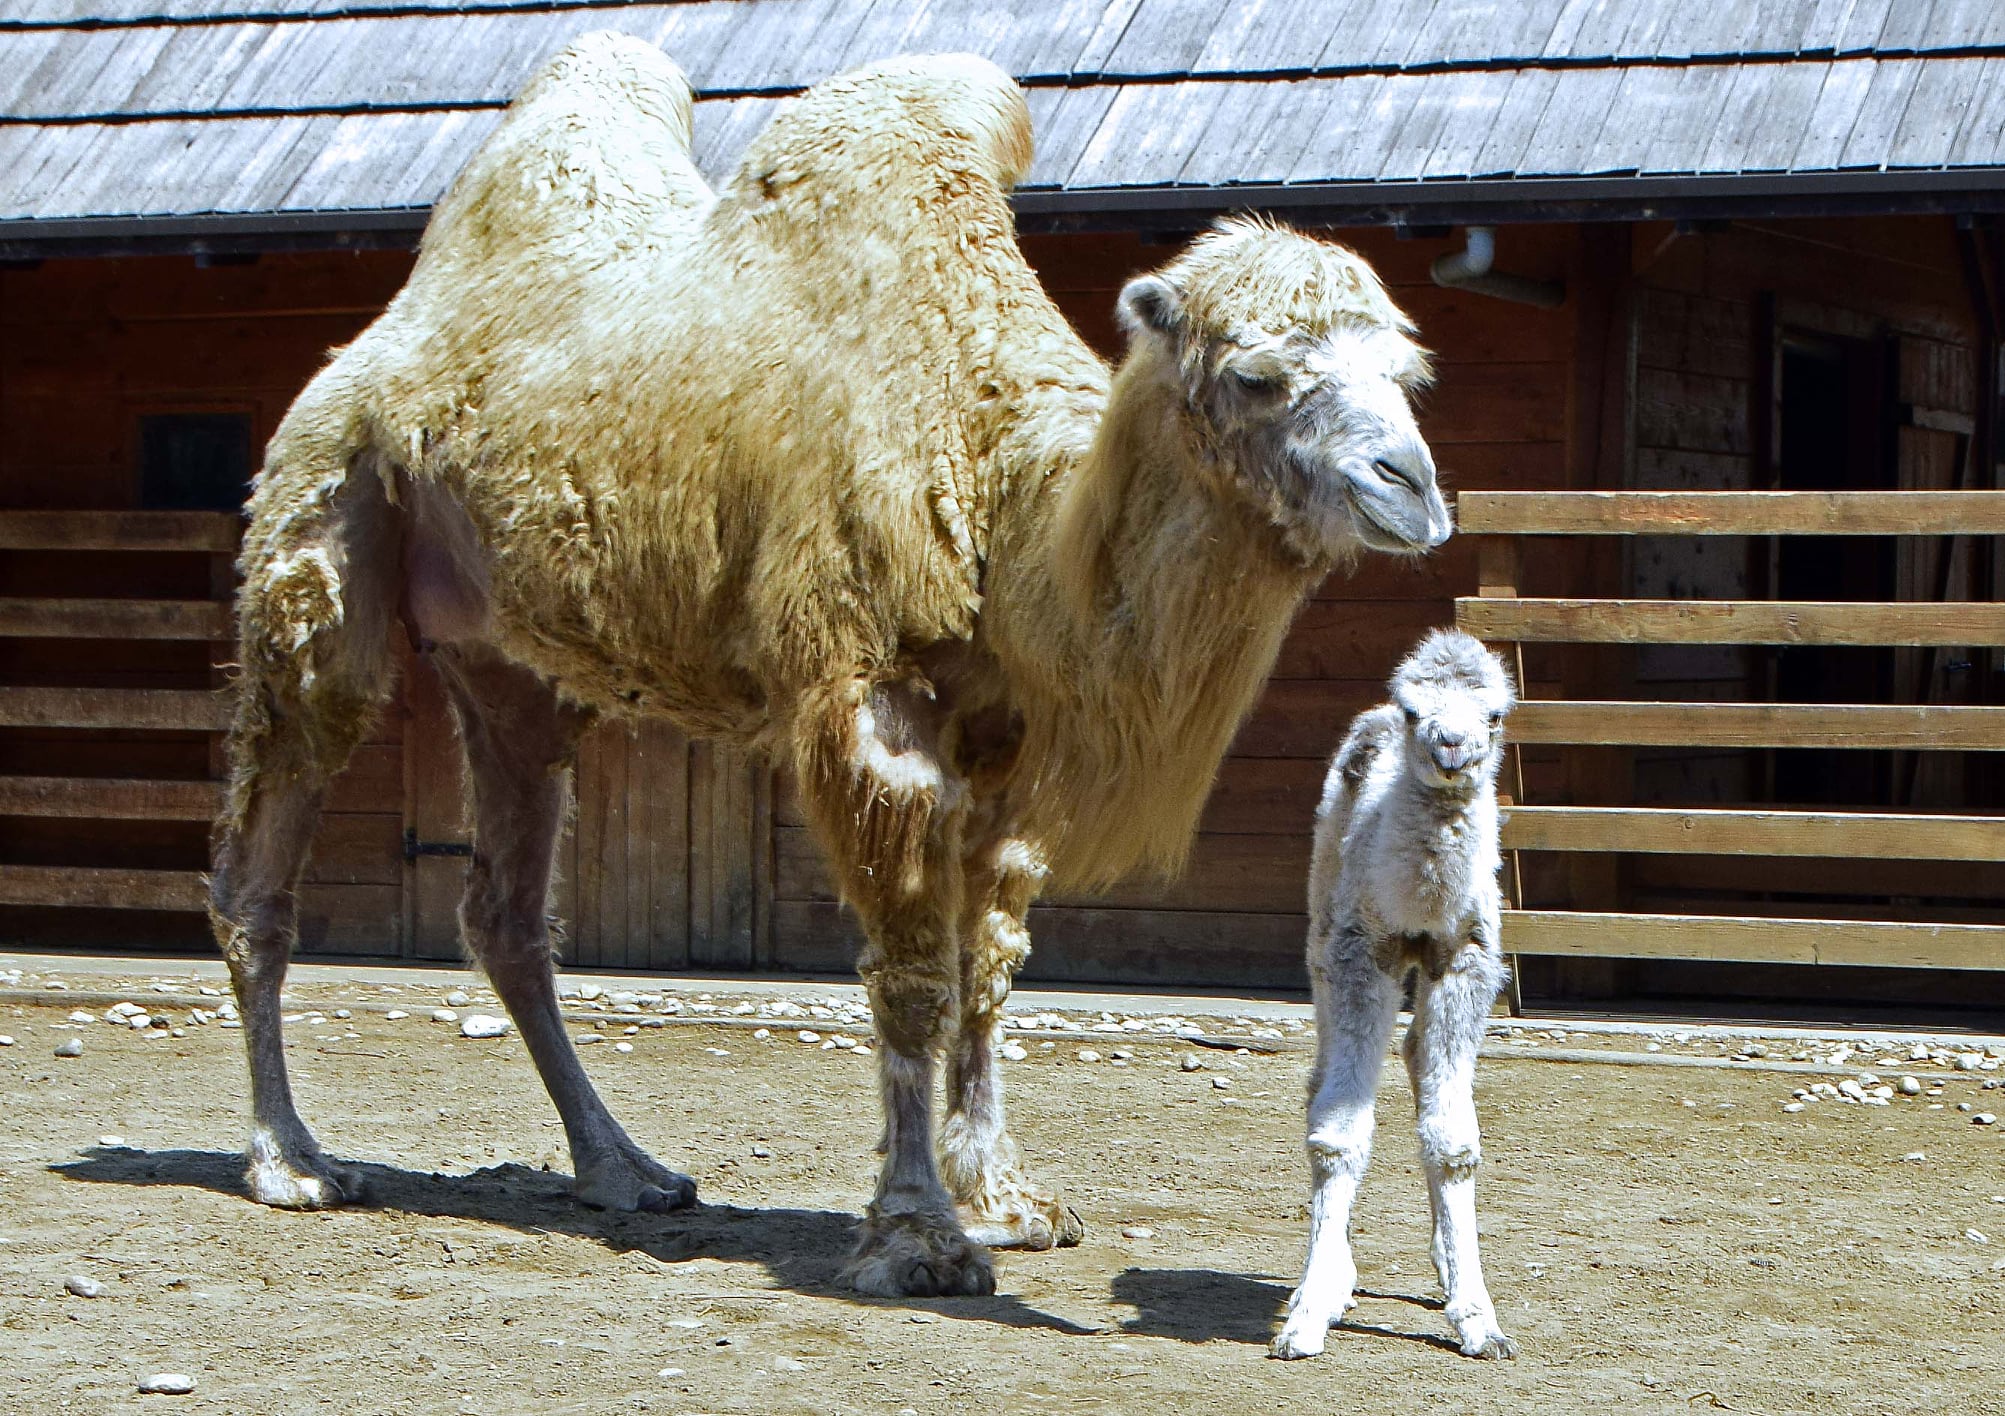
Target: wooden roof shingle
309, 109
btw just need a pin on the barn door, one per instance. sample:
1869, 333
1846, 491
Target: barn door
665, 863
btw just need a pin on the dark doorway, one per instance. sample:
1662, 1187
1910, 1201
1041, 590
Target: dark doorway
1832, 437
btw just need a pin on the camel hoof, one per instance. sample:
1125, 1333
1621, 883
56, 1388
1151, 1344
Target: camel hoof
1494, 1347
918, 1256
633, 1183
1011, 1213
298, 1179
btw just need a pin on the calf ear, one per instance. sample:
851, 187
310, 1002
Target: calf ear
1148, 302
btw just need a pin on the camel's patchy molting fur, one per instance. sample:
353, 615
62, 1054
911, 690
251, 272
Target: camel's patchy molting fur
814, 467
1403, 887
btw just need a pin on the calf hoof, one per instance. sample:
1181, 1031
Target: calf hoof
298, 1177
918, 1256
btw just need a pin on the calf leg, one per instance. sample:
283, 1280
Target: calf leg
520, 741
1356, 1004
1448, 1020
977, 1156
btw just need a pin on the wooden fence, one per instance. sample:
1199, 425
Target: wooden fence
1501, 615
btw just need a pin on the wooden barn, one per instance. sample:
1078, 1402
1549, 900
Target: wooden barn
1716, 293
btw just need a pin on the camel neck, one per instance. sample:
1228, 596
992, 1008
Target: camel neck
1170, 603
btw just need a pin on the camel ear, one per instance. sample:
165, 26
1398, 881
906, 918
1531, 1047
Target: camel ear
1148, 302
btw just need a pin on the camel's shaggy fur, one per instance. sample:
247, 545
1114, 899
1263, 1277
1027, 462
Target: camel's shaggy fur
1403, 887
813, 467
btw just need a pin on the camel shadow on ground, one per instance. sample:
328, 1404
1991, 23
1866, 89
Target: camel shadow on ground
801, 1250
1207, 1305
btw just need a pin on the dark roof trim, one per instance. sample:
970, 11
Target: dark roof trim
1507, 200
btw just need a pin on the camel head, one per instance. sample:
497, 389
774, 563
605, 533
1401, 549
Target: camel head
1295, 371
1454, 694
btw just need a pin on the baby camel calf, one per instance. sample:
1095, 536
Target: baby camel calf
1403, 884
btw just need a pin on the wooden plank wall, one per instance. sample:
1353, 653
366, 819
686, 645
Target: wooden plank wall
1497, 418
86, 348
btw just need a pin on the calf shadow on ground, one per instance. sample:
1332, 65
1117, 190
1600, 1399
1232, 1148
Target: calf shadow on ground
1208, 1305
801, 1250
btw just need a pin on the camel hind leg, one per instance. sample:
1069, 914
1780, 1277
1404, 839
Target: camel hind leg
314, 617
1004, 1208
520, 741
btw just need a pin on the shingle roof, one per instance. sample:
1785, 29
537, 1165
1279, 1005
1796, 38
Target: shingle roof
303, 111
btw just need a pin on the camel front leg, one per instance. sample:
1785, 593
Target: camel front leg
891, 820
1002, 1205
1448, 1019
1356, 1004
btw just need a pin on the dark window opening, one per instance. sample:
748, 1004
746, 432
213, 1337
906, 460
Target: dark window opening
194, 461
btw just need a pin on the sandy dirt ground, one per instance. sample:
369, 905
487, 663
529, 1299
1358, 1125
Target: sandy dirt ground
1658, 1238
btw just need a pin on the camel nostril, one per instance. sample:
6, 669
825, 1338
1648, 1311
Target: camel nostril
1394, 473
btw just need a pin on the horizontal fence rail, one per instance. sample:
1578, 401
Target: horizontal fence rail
1753, 831
1755, 940
1979, 513
1829, 622
1911, 727
214, 532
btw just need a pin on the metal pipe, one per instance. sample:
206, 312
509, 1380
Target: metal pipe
1469, 269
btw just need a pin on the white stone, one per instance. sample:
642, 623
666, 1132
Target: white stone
73, 1048
166, 1384
483, 1025
82, 1286
1087, 1054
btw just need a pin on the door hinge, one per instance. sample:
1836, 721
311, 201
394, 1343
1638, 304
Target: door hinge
413, 847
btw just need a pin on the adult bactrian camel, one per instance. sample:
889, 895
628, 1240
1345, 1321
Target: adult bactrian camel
818, 469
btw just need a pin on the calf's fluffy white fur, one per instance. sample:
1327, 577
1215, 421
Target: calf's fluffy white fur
1403, 884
